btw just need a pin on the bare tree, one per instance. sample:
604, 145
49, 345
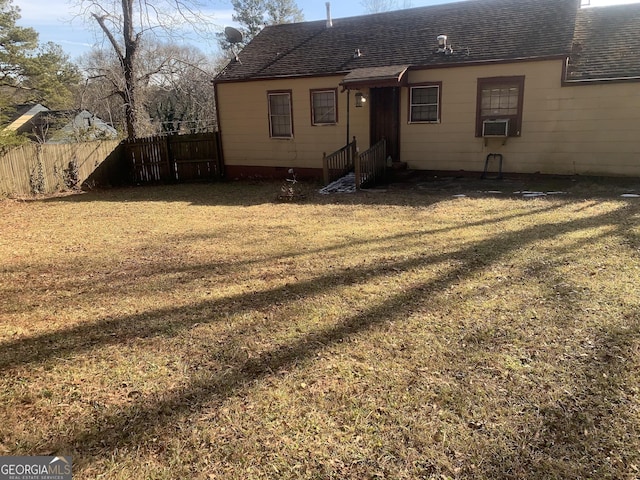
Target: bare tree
99, 94
183, 101
378, 6
173, 87
124, 23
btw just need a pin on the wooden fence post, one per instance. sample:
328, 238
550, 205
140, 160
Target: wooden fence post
171, 173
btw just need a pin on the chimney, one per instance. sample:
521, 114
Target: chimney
329, 21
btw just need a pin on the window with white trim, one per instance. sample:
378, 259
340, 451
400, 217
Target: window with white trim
424, 104
280, 115
323, 107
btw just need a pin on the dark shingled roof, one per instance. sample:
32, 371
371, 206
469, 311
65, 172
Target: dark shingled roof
478, 30
606, 43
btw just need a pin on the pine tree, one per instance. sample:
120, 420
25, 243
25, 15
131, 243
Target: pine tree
253, 15
32, 72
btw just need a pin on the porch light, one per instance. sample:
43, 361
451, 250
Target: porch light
360, 99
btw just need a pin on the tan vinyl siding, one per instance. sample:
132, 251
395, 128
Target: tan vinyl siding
244, 122
587, 130
565, 130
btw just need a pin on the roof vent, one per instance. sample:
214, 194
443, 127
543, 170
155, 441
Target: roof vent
357, 53
329, 21
443, 45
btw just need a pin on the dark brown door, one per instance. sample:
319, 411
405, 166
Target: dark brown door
385, 118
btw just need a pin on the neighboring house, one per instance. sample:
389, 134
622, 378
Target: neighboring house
553, 87
20, 115
59, 126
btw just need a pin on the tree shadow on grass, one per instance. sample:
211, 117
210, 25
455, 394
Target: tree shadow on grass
246, 194
584, 419
418, 188
130, 426
601, 402
112, 331
182, 274
592, 430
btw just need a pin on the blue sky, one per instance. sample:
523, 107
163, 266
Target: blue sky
53, 19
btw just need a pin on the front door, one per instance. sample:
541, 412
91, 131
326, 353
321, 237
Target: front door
385, 118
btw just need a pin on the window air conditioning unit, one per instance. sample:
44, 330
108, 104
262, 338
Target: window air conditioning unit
495, 128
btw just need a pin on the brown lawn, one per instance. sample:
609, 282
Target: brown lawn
211, 332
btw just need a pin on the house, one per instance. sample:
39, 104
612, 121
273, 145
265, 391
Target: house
58, 126
551, 86
19, 115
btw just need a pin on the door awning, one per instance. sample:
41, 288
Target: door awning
392, 76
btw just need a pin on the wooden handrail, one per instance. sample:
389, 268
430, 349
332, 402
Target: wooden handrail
371, 165
339, 163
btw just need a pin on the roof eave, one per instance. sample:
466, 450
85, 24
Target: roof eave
258, 78
596, 80
425, 66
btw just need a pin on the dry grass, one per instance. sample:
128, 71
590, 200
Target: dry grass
209, 332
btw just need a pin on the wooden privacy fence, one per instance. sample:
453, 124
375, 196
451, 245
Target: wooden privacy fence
175, 158
50, 168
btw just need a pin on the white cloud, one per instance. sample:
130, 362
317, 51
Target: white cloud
75, 44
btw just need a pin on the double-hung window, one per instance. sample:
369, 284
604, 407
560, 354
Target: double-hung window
324, 109
424, 103
500, 98
280, 114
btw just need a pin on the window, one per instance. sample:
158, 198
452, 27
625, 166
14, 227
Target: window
280, 115
323, 107
500, 98
424, 104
